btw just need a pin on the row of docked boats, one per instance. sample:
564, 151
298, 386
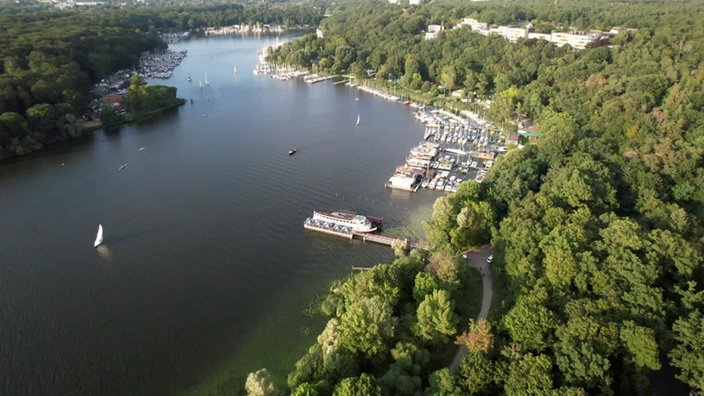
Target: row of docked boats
409, 176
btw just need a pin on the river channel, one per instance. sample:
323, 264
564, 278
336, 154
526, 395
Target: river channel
206, 265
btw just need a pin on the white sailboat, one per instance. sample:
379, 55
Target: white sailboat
99, 236
206, 79
234, 69
357, 119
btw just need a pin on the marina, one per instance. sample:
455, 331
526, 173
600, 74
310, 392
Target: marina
160, 65
453, 149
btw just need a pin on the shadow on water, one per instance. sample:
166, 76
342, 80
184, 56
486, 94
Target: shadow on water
160, 117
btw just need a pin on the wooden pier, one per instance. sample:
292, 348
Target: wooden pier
405, 243
381, 239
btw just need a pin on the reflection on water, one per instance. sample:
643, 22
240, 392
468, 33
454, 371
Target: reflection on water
103, 251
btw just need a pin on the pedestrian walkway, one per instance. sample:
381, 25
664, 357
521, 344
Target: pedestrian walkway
477, 259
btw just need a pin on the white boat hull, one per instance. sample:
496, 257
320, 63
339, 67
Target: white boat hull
99, 236
357, 223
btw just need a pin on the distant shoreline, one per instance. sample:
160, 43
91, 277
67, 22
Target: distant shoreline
90, 126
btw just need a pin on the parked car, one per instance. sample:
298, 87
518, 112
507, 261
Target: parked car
490, 258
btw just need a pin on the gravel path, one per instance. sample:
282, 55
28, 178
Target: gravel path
477, 259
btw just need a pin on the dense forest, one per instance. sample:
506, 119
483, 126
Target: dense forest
596, 227
50, 58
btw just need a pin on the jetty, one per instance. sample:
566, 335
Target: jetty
381, 239
406, 243
315, 78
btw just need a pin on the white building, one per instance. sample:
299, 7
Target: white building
475, 25
511, 34
540, 36
575, 40
433, 31
415, 2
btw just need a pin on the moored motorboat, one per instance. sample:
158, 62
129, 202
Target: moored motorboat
292, 151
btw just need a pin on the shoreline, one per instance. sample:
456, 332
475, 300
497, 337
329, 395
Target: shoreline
88, 127
446, 133
131, 118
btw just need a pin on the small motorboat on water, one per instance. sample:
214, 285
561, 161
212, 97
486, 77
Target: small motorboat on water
292, 151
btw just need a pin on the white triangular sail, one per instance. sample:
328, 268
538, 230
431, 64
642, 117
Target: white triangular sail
357, 119
99, 237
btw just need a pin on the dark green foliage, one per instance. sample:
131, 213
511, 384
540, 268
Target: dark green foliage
355, 386
49, 58
596, 227
437, 320
442, 383
109, 116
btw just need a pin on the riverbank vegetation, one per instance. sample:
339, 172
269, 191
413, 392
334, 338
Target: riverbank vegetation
50, 58
596, 227
142, 101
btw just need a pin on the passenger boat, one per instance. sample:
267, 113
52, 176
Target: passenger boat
345, 218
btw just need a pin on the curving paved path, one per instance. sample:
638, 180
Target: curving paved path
477, 259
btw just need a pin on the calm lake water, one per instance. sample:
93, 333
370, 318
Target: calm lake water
206, 265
